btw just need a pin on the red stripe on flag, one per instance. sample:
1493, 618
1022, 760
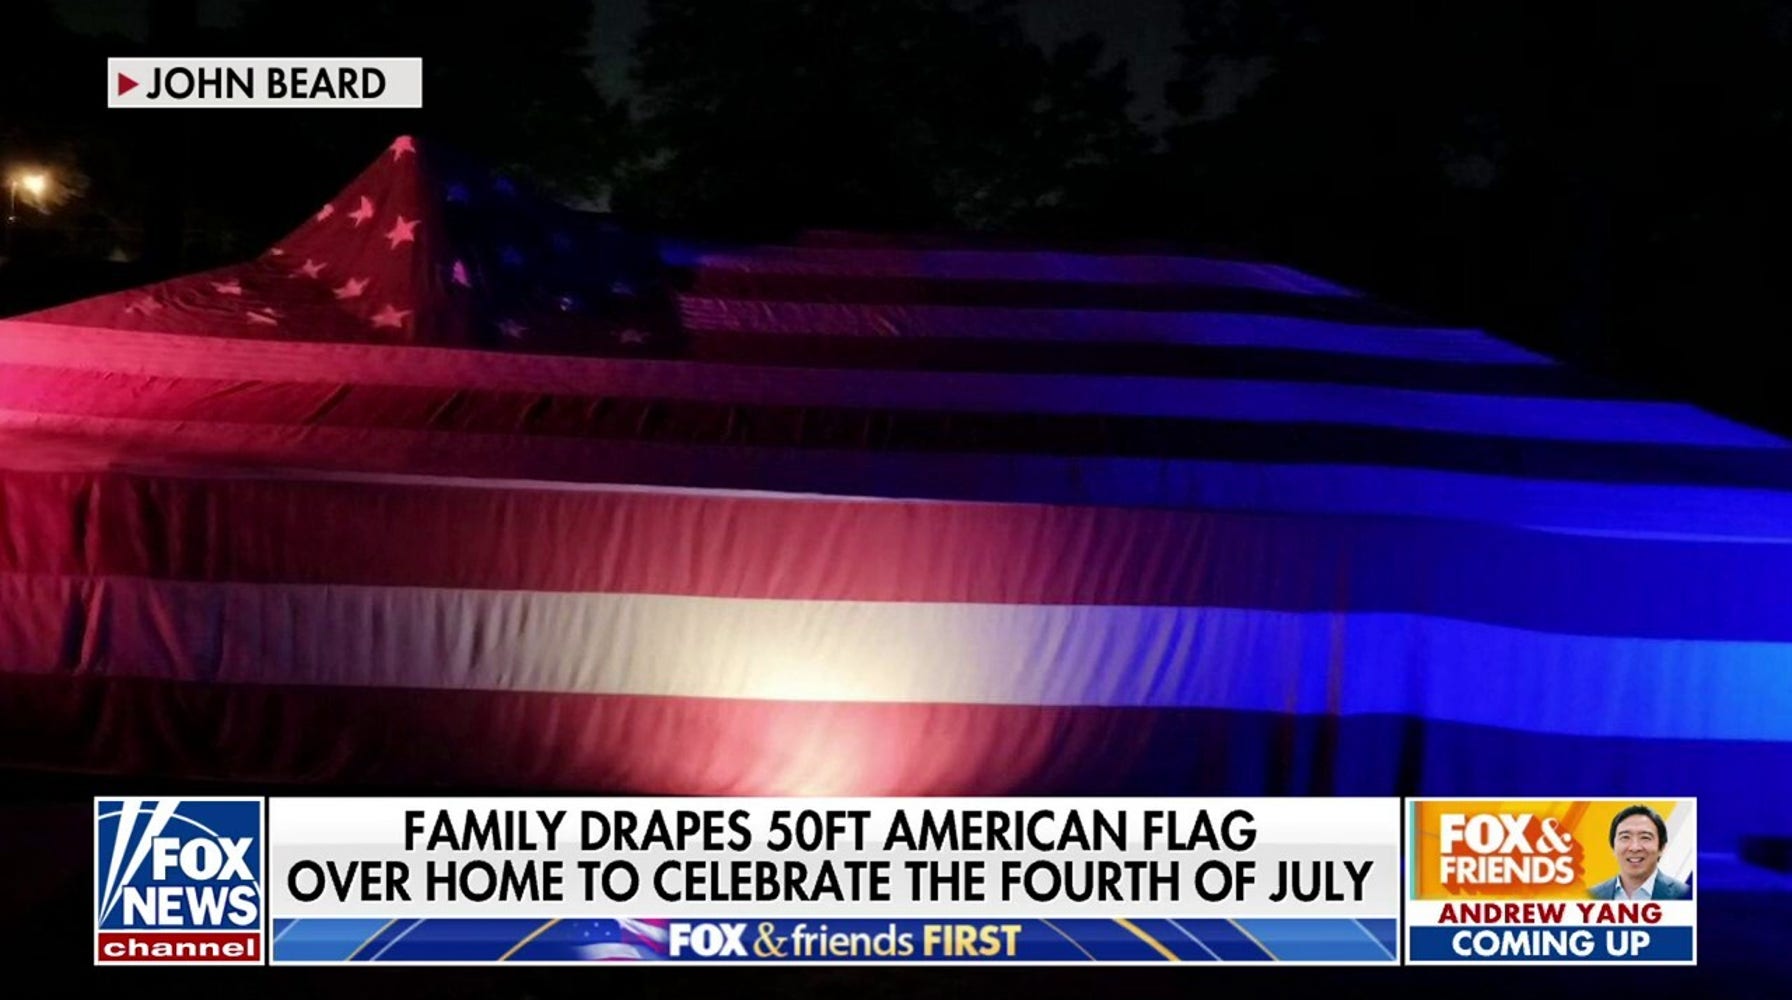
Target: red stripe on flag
517, 740
698, 398
411, 740
636, 542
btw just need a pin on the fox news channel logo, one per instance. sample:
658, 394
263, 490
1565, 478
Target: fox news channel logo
1557, 881
178, 881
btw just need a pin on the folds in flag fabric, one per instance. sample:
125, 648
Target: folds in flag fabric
456, 487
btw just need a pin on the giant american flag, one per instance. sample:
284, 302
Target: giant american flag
456, 486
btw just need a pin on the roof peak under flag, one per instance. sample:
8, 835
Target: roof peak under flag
425, 246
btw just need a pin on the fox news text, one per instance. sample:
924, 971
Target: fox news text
178, 881
1588, 881
833, 881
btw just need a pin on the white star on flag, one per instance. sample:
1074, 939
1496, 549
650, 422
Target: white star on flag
459, 275
325, 212
363, 212
512, 329
403, 231
230, 287
390, 317
311, 268
352, 289
401, 146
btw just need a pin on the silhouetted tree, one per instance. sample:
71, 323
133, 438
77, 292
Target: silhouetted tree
512, 85
49, 118
886, 113
1601, 181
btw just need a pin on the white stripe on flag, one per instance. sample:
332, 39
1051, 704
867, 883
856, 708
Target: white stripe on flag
49, 442
236, 633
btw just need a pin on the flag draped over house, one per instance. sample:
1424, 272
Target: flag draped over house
454, 486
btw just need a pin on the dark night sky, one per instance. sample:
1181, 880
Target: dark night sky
1144, 32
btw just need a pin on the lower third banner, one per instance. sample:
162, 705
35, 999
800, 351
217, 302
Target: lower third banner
623, 939
834, 881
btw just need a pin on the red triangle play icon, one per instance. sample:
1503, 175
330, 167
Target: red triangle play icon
125, 84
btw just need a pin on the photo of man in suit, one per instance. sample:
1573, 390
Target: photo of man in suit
1638, 837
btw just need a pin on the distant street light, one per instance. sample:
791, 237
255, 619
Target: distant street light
34, 184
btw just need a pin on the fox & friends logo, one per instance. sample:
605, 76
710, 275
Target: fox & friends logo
178, 881
1506, 851
853, 940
